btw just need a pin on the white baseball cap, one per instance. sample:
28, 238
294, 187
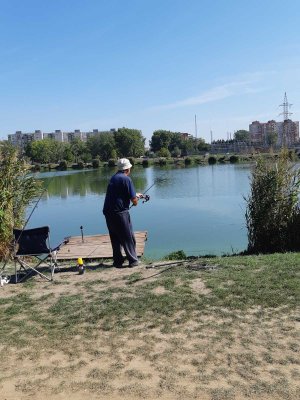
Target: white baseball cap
123, 163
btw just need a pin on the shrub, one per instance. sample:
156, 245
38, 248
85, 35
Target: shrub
272, 213
233, 159
112, 162
162, 161
79, 165
212, 160
63, 165
188, 161
176, 152
96, 163
176, 255
293, 155
164, 152
36, 168
145, 163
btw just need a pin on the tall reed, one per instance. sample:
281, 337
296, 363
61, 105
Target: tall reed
272, 212
17, 190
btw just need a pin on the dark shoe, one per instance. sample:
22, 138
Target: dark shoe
134, 264
119, 264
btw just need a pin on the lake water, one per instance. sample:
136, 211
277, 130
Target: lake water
198, 209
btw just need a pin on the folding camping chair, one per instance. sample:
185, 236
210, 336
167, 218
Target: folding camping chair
34, 243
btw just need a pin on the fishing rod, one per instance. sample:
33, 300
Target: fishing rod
145, 196
147, 190
35, 206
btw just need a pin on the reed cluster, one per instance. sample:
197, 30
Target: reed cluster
272, 212
17, 190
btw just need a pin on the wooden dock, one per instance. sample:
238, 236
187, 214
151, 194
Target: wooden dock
96, 246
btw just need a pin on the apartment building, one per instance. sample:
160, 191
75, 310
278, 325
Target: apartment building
21, 139
287, 132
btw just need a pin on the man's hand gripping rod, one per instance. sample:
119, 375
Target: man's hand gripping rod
144, 196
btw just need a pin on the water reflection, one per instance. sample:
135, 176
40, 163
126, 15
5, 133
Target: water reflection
83, 183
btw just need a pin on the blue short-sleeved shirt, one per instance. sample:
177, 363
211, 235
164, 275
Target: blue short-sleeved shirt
119, 192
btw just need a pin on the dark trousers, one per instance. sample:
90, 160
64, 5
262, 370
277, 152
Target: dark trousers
121, 235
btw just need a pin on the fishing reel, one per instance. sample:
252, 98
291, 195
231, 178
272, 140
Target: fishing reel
145, 198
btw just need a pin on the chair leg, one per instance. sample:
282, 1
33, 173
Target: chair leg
53, 263
28, 270
16, 272
22, 265
52, 267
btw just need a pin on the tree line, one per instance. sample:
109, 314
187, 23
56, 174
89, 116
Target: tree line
107, 145
124, 142
167, 143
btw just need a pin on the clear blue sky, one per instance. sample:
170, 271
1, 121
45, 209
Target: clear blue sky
147, 64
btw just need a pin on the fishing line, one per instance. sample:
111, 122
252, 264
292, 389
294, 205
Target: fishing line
147, 198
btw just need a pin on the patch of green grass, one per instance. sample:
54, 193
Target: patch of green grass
136, 276
46, 297
5, 300
92, 283
29, 283
269, 281
67, 305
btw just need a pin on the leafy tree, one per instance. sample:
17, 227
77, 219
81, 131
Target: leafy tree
67, 153
176, 152
102, 145
17, 190
202, 145
187, 147
38, 151
114, 154
44, 151
78, 149
161, 139
242, 135
164, 153
129, 142
175, 140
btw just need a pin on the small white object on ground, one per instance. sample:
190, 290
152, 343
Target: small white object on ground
4, 279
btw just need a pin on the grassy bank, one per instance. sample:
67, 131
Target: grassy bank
219, 328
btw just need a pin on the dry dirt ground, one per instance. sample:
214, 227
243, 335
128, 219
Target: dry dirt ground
210, 355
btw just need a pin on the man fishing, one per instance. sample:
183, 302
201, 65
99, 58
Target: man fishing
120, 192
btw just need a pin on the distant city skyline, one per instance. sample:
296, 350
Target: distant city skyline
147, 65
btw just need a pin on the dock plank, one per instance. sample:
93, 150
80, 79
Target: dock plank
96, 246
